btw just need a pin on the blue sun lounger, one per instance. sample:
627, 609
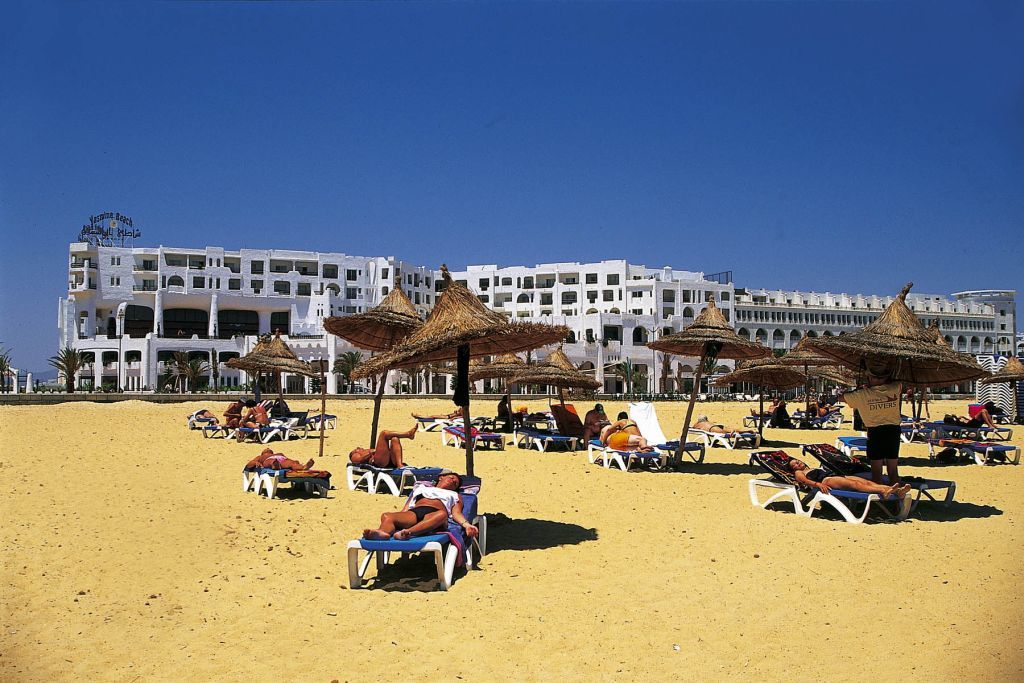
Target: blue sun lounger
852, 445
979, 452
446, 553
543, 439
269, 480
395, 481
455, 435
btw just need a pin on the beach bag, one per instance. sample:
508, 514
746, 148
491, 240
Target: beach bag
946, 456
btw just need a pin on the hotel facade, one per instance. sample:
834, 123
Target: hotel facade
131, 309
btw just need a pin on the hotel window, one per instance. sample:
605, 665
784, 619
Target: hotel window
235, 284
568, 298
484, 283
426, 281
115, 260
591, 278
198, 282
686, 296
483, 298
115, 282
257, 285
384, 272
613, 279
303, 289
636, 294
416, 298
282, 287
545, 299
350, 292
668, 296
506, 282
256, 267
408, 279
607, 295
351, 275
331, 271
528, 282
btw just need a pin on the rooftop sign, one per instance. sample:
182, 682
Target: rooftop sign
109, 229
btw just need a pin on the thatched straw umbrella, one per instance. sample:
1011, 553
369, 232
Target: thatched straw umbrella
898, 341
765, 374
274, 355
378, 329
556, 371
1012, 372
459, 328
709, 336
803, 356
502, 367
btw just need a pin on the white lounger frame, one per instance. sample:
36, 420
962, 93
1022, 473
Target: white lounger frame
812, 501
730, 441
254, 481
444, 557
542, 441
982, 458
450, 439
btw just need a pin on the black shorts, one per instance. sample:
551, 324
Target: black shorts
422, 511
817, 475
884, 442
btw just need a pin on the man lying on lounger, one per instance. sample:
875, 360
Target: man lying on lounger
205, 414
426, 511
624, 435
705, 425
449, 416
276, 461
820, 479
387, 452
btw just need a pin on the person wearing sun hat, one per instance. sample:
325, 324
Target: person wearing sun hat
878, 403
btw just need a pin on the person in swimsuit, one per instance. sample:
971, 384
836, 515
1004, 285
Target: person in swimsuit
624, 435
593, 424
255, 417
450, 416
706, 425
206, 415
426, 510
233, 414
386, 453
981, 419
277, 461
823, 481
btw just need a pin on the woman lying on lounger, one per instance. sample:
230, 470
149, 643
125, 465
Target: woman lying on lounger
205, 414
427, 510
981, 419
705, 425
820, 479
386, 453
624, 435
276, 461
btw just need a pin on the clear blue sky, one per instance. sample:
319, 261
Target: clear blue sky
834, 146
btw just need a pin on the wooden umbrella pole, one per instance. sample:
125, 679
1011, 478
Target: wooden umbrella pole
689, 408
760, 413
462, 367
256, 387
323, 407
376, 409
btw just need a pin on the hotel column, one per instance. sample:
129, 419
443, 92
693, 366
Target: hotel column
332, 354
212, 328
599, 371
158, 312
97, 370
29, 387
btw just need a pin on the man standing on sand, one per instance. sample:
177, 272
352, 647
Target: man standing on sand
879, 406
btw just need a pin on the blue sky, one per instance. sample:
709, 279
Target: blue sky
831, 146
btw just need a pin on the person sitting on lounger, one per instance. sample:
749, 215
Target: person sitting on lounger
780, 415
256, 415
450, 416
594, 422
981, 419
427, 510
280, 408
624, 435
823, 481
386, 453
512, 419
233, 415
277, 461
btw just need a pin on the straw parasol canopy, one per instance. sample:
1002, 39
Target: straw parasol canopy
803, 354
709, 336
1012, 371
381, 327
272, 354
556, 371
772, 375
460, 319
502, 367
898, 344
710, 327
459, 328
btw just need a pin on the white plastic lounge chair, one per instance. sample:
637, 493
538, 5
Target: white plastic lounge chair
784, 487
645, 416
215, 431
269, 480
730, 440
431, 424
542, 440
440, 545
852, 445
626, 460
979, 452
455, 435
195, 422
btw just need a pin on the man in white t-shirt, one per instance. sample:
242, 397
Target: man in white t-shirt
879, 406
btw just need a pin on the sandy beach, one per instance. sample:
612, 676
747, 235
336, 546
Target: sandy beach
131, 553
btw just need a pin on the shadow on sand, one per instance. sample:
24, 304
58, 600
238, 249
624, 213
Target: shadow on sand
417, 573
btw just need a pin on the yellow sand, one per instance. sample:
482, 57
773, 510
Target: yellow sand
131, 552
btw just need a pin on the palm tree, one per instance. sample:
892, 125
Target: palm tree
666, 369
187, 371
68, 362
625, 371
346, 363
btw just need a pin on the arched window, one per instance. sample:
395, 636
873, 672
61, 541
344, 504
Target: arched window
591, 311
744, 332
138, 321
175, 281
687, 312
762, 337
571, 337
523, 298
639, 336
778, 339
132, 356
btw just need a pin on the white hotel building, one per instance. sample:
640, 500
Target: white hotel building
141, 305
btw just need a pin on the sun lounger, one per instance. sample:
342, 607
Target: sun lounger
446, 552
626, 460
313, 481
214, 431
645, 416
284, 430
979, 452
730, 440
395, 481
784, 487
455, 435
913, 431
753, 421
844, 464
542, 440
431, 424
313, 421
852, 445
567, 420
195, 422
941, 430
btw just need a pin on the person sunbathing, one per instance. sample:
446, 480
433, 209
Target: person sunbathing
426, 510
277, 461
254, 418
981, 419
205, 415
386, 453
705, 425
233, 415
624, 435
449, 416
818, 478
